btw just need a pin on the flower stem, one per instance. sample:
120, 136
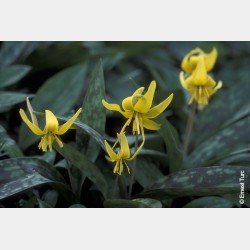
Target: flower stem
133, 168
189, 128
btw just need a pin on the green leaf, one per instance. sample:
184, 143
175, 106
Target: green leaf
209, 202
230, 105
19, 174
171, 140
207, 181
136, 203
77, 206
12, 51
147, 172
87, 129
8, 99
225, 141
58, 94
93, 114
9, 145
13, 74
86, 167
50, 197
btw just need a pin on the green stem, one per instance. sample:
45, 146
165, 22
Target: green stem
189, 128
133, 168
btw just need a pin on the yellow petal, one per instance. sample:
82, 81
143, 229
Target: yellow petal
51, 122
116, 168
157, 110
125, 151
67, 125
144, 103
149, 124
210, 59
59, 142
182, 80
219, 85
187, 64
199, 76
113, 156
138, 91
127, 103
114, 107
35, 129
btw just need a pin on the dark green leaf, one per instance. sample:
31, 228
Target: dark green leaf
19, 174
209, 202
77, 206
12, 51
223, 142
207, 181
8, 99
50, 197
171, 140
58, 94
9, 145
147, 172
13, 74
93, 114
86, 167
230, 105
91, 132
136, 203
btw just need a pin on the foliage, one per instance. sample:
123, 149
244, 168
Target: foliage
65, 76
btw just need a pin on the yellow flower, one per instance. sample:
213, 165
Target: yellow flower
138, 108
191, 60
200, 84
51, 130
121, 156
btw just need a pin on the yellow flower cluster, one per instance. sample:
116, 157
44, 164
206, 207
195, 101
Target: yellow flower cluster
196, 79
136, 109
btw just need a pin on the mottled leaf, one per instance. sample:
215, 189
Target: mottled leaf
8, 145
136, 203
13, 74
209, 202
86, 167
19, 174
207, 181
223, 142
93, 114
58, 94
229, 106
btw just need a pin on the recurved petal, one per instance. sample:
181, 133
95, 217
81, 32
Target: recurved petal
35, 129
188, 63
199, 76
149, 124
59, 142
138, 91
51, 122
210, 59
125, 151
113, 156
144, 103
157, 110
67, 125
219, 85
114, 107
182, 80
127, 103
